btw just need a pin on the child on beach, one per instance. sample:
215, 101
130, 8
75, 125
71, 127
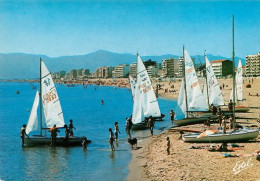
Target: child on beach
168, 145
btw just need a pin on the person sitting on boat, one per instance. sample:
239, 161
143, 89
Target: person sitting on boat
23, 133
54, 134
67, 134
230, 106
111, 139
151, 124
116, 130
71, 127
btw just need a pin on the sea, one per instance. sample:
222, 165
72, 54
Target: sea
90, 118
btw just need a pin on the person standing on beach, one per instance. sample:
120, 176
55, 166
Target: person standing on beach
116, 130
23, 133
128, 126
71, 127
230, 106
172, 114
151, 124
111, 139
53, 131
168, 145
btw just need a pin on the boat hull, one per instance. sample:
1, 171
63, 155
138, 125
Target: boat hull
238, 109
189, 121
139, 126
60, 141
240, 135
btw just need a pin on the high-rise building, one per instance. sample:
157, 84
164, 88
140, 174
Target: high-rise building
222, 68
73, 73
133, 69
152, 71
121, 71
252, 65
85, 72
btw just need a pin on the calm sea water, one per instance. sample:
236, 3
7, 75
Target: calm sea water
91, 119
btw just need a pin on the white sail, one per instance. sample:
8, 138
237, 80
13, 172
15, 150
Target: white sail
196, 100
144, 85
132, 84
214, 93
239, 82
50, 100
33, 121
181, 102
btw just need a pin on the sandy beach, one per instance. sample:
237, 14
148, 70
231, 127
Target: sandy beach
151, 162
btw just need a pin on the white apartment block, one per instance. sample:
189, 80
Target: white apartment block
121, 71
252, 68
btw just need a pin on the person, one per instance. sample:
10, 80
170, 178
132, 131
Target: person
84, 143
128, 126
230, 122
111, 139
224, 125
220, 115
230, 106
168, 145
102, 102
116, 130
71, 127
53, 131
172, 114
151, 124
23, 133
67, 134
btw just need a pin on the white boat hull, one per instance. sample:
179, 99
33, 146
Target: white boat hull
239, 135
43, 140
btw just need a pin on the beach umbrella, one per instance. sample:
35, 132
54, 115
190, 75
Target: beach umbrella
206, 133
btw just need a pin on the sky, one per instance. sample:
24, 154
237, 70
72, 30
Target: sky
63, 27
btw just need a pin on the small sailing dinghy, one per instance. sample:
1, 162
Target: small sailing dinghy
238, 91
145, 102
49, 102
191, 102
214, 136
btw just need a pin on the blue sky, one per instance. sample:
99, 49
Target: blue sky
57, 28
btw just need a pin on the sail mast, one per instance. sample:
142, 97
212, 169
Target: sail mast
41, 94
185, 90
206, 80
234, 80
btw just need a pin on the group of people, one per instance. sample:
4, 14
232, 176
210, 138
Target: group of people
113, 136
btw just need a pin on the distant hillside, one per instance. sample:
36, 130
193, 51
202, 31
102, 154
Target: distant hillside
26, 66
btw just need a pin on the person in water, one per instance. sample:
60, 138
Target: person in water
54, 132
84, 143
71, 127
151, 124
67, 134
168, 145
116, 130
23, 133
172, 114
111, 139
102, 102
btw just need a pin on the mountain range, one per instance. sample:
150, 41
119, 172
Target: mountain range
26, 66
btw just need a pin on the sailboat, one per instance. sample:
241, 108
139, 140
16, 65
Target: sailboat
191, 102
238, 90
145, 102
50, 104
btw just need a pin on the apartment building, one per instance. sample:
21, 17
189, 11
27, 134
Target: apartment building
252, 68
222, 68
121, 71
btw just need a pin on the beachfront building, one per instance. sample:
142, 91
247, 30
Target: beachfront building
85, 72
133, 69
252, 65
172, 67
152, 71
73, 74
222, 68
121, 71
104, 72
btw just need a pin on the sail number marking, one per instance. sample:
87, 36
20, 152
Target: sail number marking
50, 96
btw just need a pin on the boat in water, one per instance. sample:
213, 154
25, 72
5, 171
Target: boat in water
53, 115
145, 103
214, 136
